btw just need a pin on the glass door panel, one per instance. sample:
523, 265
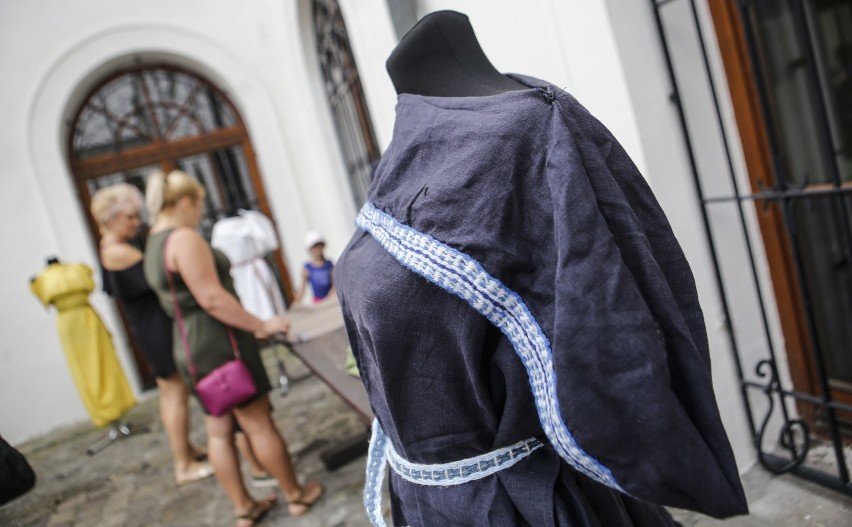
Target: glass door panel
225, 177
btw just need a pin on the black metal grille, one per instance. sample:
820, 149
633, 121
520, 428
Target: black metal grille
346, 97
145, 106
149, 109
814, 200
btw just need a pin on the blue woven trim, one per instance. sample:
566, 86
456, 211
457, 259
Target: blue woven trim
464, 277
465, 470
376, 463
446, 474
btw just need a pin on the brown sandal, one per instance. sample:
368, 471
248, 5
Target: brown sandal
309, 494
257, 511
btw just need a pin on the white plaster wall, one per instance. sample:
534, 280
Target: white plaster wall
566, 42
255, 51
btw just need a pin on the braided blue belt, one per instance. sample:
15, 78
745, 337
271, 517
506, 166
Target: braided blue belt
442, 474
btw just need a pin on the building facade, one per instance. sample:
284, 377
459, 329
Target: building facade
284, 106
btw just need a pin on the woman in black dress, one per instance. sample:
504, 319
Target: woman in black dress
116, 209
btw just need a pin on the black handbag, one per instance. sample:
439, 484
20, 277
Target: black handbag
16, 475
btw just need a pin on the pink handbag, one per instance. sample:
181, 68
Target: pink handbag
227, 386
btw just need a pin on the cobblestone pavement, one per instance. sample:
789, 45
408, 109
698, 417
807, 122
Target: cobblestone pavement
131, 483
781, 501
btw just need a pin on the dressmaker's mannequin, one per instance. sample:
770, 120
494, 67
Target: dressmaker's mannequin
440, 56
50, 260
88, 346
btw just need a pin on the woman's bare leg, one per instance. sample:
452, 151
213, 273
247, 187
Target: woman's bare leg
175, 416
247, 453
268, 445
223, 457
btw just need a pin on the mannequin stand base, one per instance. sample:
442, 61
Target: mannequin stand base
116, 431
285, 379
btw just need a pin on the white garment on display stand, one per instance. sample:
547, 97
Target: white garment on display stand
245, 240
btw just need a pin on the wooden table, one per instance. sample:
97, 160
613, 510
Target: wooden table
318, 338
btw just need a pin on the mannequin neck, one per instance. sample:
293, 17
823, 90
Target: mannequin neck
440, 56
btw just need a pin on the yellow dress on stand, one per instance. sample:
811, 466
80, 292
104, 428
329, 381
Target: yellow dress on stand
88, 345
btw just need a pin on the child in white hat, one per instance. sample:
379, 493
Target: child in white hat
318, 271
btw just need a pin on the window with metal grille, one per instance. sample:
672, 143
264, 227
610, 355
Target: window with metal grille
345, 94
788, 70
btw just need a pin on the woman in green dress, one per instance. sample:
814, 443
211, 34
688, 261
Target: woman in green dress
208, 305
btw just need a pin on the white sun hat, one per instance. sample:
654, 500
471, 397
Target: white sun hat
312, 238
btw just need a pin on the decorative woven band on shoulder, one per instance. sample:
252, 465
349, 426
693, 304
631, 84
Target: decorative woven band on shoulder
463, 276
465, 470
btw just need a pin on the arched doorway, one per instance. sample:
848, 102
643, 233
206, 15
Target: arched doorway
160, 117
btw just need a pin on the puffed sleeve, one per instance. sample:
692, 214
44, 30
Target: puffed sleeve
629, 347
37, 288
261, 230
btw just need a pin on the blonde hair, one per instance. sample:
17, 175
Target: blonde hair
163, 191
110, 201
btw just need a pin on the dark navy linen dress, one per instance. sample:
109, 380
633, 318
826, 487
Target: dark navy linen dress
514, 277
